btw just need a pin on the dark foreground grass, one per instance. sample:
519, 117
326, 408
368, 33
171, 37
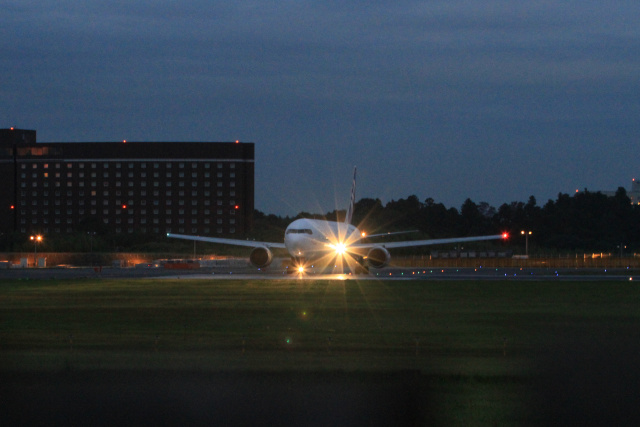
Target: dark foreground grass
503, 352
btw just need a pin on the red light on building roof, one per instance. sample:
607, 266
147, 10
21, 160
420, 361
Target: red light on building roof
13, 207
237, 141
124, 141
237, 207
124, 206
505, 235
11, 127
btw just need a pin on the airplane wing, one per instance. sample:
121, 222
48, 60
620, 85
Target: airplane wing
410, 243
391, 233
235, 242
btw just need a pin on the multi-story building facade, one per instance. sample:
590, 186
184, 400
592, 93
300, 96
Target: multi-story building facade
149, 187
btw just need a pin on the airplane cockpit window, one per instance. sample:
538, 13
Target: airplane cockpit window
299, 231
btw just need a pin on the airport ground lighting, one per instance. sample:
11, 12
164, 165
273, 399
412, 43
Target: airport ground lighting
35, 239
526, 235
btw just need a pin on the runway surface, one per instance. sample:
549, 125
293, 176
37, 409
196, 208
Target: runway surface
389, 273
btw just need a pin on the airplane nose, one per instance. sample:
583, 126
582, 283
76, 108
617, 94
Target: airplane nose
294, 245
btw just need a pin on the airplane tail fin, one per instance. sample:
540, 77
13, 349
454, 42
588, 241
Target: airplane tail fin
349, 215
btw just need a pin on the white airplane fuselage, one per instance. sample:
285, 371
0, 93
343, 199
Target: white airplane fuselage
311, 238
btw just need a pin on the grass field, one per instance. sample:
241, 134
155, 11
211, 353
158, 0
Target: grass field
487, 352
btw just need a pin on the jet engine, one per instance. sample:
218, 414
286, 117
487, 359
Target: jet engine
260, 257
378, 257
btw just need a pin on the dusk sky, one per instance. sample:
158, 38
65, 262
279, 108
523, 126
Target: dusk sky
489, 100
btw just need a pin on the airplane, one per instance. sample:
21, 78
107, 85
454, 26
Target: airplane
320, 241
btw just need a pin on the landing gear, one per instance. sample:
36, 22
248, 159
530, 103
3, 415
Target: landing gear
296, 266
361, 266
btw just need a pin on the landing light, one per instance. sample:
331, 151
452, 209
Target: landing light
301, 269
340, 248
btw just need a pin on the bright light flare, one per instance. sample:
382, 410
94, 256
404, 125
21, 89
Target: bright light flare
505, 236
301, 269
340, 248
340, 254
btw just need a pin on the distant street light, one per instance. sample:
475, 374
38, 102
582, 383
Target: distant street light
621, 246
526, 235
36, 239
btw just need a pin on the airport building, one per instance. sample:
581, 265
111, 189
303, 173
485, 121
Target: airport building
633, 194
204, 188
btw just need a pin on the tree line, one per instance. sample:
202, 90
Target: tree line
585, 221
